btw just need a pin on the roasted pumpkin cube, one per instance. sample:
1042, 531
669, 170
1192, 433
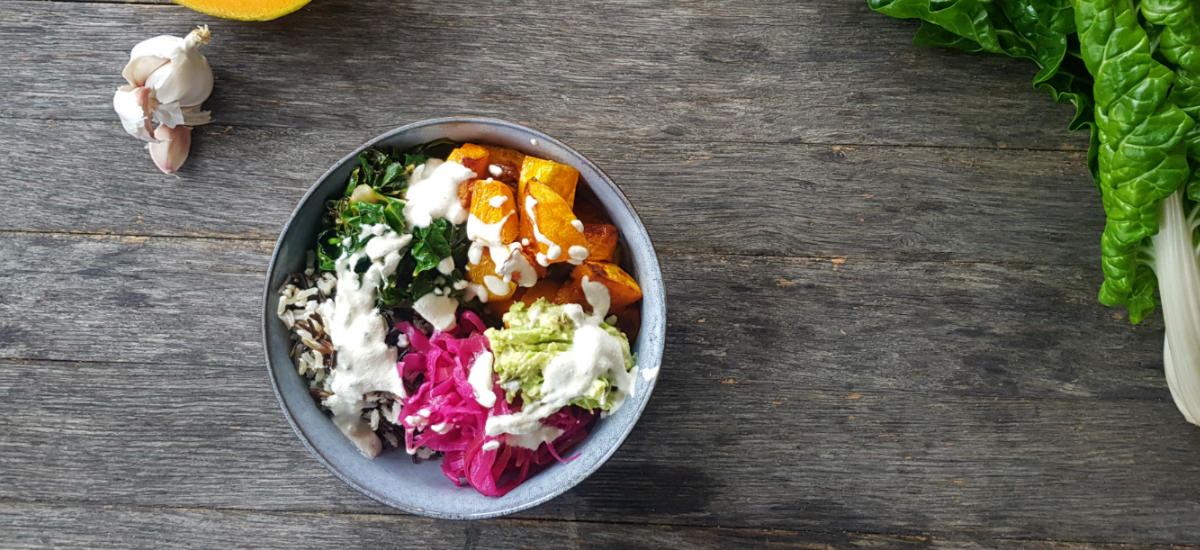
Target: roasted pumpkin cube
559, 177
531, 253
483, 276
629, 321
571, 292
508, 163
545, 288
473, 157
500, 307
622, 289
464, 192
589, 213
493, 213
560, 236
601, 241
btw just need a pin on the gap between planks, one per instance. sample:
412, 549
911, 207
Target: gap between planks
932, 257
633, 140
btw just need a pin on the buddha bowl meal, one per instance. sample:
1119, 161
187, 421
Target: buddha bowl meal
465, 303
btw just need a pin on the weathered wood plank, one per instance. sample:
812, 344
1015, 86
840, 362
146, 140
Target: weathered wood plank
993, 329
828, 71
758, 199
92, 527
708, 453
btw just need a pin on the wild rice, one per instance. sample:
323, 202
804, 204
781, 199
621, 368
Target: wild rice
300, 299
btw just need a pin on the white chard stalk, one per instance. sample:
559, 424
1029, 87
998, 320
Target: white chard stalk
1177, 266
168, 81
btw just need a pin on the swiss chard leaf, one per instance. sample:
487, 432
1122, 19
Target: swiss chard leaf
1179, 44
1142, 153
930, 34
432, 244
417, 274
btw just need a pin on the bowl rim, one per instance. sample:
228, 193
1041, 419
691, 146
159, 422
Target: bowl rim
655, 274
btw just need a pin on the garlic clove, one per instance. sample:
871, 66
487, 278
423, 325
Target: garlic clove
187, 78
140, 68
172, 148
134, 106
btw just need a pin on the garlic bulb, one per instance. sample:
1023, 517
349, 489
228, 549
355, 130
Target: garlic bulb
168, 80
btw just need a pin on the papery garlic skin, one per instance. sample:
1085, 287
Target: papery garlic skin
171, 149
173, 67
168, 81
133, 106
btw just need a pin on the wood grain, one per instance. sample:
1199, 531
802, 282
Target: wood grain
880, 259
995, 329
118, 527
1034, 401
828, 71
706, 453
899, 203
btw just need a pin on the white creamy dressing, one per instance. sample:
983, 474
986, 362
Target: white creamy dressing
533, 142
476, 291
594, 353
487, 232
433, 193
498, 200
357, 330
495, 170
481, 380
577, 254
438, 310
491, 445
446, 266
578, 225
597, 297
650, 374
518, 264
533, 440
495, 285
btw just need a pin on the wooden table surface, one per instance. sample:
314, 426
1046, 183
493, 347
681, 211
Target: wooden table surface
881, 265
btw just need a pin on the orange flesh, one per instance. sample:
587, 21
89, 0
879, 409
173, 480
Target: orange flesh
245, 10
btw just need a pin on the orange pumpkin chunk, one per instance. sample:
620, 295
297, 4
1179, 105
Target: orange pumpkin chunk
472, 156
589, 213
545, 288
601, 241
622, 289
464, 193
629, 321
559, 177
491, 204
500, 307
508, 160
571, 292
551, 228
483, 274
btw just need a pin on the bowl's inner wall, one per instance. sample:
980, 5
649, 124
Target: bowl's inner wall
421, 488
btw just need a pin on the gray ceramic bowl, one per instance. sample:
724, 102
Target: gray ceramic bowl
392, 478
